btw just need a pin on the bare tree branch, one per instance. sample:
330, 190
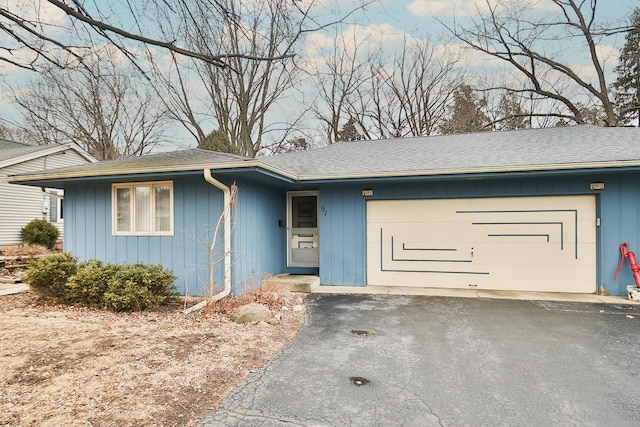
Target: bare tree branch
82, 15
105, 111
503, 34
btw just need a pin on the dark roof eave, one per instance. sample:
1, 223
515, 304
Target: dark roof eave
61, 182
254, 169
471, 175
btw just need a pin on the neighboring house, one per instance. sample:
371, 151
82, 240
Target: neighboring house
530, 210
19, 205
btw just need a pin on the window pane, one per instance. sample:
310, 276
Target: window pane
123, 209
163, 207
143, 209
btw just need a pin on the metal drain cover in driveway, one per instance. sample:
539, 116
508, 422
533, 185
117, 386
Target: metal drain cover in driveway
361, 332
359, 381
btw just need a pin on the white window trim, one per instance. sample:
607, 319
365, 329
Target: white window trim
132, 186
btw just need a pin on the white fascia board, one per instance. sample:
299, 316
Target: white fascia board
137, 171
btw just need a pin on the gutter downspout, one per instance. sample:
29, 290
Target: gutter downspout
227, 233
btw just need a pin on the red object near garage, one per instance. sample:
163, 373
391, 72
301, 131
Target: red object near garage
626, 253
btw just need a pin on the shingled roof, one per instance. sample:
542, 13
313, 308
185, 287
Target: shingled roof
12, 150
192, 159
561, 148
530, 149
12, 153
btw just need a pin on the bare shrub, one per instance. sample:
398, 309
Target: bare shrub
273, 293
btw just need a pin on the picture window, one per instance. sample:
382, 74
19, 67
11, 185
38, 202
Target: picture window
144, 208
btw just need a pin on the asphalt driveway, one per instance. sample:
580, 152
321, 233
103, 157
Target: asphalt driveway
381, 360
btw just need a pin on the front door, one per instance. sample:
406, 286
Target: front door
302, 229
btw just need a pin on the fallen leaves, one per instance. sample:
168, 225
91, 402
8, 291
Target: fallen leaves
73, 366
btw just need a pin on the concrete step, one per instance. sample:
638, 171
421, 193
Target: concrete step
299, 283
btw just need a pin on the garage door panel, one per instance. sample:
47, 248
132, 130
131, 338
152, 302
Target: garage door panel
425, 237
525, 243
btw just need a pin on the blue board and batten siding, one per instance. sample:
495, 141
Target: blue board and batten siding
257, 241
342, 223
620, 222
343, 217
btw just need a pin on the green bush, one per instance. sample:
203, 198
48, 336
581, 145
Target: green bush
126, 295
40, 232
49, 276
90, 283
139, 286
117, 287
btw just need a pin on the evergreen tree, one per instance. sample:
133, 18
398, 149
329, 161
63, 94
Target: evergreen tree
627, 85
349, 132
466, 113
218, 141
510, 114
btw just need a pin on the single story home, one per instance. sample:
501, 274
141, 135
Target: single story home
529, 210
20, 205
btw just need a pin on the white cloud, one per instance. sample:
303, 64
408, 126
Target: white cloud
472, 7
608, 54
429, 7
40, 15
364, 39
36, 10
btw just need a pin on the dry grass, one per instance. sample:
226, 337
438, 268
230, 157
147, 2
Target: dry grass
74, 366
25, 251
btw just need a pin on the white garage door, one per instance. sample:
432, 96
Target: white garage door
512, 243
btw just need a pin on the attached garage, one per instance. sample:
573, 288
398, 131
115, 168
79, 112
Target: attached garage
508, 243
512, 210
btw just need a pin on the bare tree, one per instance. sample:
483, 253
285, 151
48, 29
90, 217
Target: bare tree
418, 88
107, 110
343, 70
39, 30
11, 132
238, 99
229, 62
406, 92
507, 32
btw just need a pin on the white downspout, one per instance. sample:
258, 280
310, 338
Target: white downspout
227, 234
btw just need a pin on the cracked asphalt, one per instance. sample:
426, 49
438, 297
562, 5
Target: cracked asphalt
435, 361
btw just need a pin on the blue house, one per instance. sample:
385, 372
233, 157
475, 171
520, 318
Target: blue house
530, 210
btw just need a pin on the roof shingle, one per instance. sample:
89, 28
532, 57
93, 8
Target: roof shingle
486, 151
560, 148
